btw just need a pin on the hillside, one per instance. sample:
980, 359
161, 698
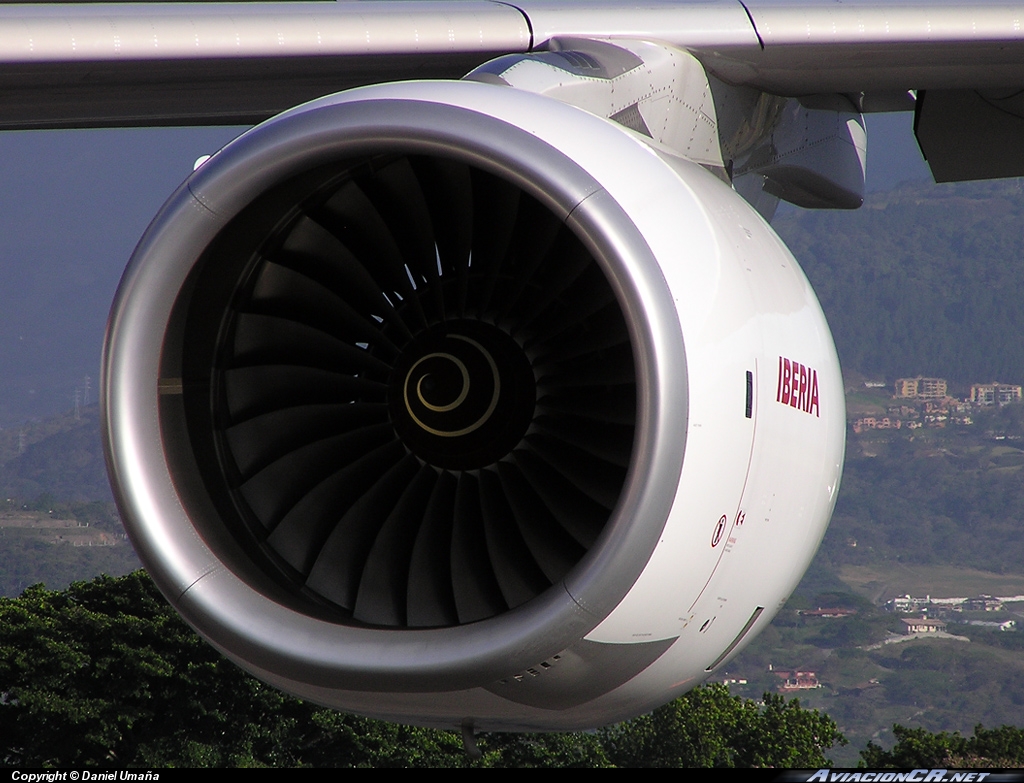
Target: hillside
61, 456
58, 523
923, 280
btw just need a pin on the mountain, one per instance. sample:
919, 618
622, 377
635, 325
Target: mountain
61, 456
923, 280
58, 523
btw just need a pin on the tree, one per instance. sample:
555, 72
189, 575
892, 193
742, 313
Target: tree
708, 727
1002, 747
106, 674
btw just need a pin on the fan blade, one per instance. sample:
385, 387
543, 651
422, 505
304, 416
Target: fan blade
477, 594
260, 441
254, 391
554, 550
383, 586
300, 535
430, 601
339, 567
577, 514
518, 576
279, 486
290, 295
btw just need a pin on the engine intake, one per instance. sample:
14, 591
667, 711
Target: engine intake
419, 405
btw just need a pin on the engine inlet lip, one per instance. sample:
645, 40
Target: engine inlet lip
180, 557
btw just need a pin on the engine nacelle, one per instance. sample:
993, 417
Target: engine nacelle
451, 404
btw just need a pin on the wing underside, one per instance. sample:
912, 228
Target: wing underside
94, 65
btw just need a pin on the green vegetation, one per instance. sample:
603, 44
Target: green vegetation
710, 728
106, 674
935, 496
916, 748
51, 472
867, 685
61, 456
56, 543
925, 280
926, 512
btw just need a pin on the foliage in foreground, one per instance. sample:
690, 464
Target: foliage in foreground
917, 748
106, 674
708, 727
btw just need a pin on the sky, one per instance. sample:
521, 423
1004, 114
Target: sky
73, 204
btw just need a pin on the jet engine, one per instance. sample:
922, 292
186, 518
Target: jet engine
456, 405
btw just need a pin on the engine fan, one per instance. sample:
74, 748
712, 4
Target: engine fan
420, 400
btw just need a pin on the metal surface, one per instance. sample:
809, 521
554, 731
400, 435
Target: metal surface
95, 65
971, 134
83, 65
864, 46
94, 32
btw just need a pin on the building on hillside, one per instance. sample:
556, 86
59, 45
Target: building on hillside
797, 680
907, 603
831, 612
903, 411
983, 603
921, 388
995, 393
874, 423
912, 625
1006, 625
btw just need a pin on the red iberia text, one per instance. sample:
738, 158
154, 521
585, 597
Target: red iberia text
798, 386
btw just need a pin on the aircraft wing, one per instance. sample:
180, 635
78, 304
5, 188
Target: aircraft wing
93, 65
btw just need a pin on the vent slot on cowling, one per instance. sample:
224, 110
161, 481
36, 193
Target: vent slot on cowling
422, 400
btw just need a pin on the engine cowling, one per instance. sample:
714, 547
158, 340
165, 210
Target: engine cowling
447, 403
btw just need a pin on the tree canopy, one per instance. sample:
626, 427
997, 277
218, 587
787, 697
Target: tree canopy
106, 674
708, 727
1002, 747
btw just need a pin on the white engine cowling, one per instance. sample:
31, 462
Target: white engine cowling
451, 404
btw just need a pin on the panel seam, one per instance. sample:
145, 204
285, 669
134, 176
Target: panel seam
753, 24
